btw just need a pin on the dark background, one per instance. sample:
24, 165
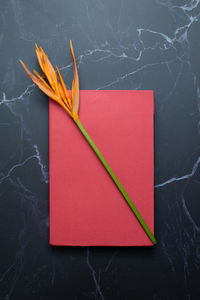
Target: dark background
144, 44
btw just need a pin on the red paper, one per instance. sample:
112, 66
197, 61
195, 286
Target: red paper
86, 208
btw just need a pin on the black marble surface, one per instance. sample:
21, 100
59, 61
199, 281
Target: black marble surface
144, 44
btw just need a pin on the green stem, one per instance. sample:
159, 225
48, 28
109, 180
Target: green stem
132, 206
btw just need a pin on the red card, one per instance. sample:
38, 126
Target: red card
86, 208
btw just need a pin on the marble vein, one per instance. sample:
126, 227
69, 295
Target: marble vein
184, 177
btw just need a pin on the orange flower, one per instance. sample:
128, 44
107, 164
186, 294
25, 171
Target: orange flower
54, 89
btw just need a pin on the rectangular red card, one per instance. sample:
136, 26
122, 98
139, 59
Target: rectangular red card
86, 208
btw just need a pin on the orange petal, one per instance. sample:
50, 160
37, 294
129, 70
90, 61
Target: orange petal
40, 77
75, 86
62, 95
39, 57
61, 92
63, 84
47, 90
48, 69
